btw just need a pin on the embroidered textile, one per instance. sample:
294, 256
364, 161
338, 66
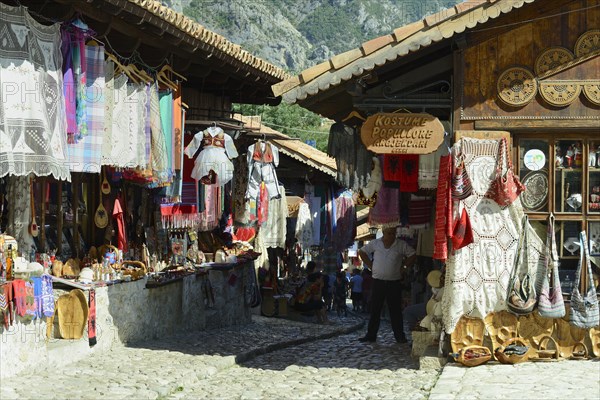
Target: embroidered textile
86, 154
443, 210
429, 166
241, 208
160, 159
212, 157
304, 227
263, 157
126, 147
274, 229
166, 118
477, 275
6, 308
69, 83
92, 318
419, 211
386, 211
47, 296
32, 115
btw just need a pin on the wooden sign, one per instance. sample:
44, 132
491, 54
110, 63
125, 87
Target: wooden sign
404, 133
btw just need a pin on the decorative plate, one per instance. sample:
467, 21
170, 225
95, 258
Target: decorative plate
587, 42
559, 93
517, 86
536, 195
592, 92
552, 58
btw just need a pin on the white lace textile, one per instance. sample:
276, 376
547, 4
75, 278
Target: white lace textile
477, 275
33, 122
304, 226
273, 231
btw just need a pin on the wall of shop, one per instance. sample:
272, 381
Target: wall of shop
128, 313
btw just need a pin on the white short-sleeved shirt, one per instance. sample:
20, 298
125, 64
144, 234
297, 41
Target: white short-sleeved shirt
387, 263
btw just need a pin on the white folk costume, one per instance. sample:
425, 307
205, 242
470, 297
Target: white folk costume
262, 160
213, 164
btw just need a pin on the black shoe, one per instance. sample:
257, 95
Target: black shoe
402, 340
366, 339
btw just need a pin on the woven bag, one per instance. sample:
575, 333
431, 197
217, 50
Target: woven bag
521, 291
461, 183
584, 302
504, 189
550, 302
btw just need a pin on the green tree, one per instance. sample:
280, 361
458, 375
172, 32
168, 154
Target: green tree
291, 120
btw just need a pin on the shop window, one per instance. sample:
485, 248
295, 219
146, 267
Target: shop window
562, 175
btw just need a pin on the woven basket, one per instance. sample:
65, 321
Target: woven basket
580, 351
548, 348
136, 269
472, 356
72, 310
510, 358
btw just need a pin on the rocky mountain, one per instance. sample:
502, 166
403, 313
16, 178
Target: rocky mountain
296, 34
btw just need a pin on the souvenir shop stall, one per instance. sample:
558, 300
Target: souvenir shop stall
515, 203
289, 207
98, 234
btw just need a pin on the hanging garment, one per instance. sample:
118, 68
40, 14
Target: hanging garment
274, 229
345, 227
6, 304
315, 209
352, 158
443, 210
47, 296
32, 112
126, 147
263, 157
241, 207
85, 154
121, 235
477, 275
166, 118
69, 83
419, 211
429, 166
386, 211
304, 227
217, 150
160, 158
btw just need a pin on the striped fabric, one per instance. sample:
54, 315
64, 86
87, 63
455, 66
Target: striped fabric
86, 155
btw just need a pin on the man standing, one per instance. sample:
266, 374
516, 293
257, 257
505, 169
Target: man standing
391, 257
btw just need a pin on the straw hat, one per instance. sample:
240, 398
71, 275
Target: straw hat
72, 311
430, 307
434, 278
71, 267
57, 267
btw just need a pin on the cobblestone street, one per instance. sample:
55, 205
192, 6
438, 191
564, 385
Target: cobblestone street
282, 359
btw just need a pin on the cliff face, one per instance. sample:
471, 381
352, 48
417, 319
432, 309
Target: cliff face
295, 34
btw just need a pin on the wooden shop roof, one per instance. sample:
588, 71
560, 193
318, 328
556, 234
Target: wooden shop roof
157, 33
388, 48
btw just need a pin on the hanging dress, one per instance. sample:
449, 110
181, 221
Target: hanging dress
262, 160
217, 150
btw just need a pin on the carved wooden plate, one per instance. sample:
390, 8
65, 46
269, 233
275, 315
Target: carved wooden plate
595, 339
552, 58
517, 86
468, 332
592, 92
559, 93
533, 328
587, 42
501, 327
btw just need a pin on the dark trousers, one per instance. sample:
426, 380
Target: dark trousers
382, 291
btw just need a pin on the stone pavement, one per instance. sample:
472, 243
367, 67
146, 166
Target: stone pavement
276, 359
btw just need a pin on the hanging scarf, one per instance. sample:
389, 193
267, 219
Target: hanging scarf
409, 172
386, 211
92, 318
37, 294
19, 296
6, 303
47, 296
263, 204
30, 300
443, 210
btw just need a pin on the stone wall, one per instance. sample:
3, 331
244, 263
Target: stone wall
129, 312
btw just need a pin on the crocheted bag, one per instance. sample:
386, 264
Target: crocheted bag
551, 303
584, 306
521, 291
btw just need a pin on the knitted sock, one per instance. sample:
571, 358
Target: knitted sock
37, 294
